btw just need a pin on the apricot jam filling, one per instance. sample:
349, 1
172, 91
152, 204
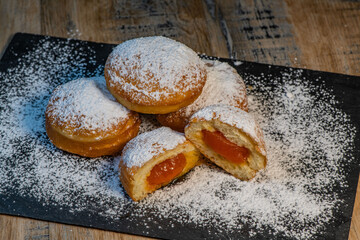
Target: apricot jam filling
167, 170
221, 145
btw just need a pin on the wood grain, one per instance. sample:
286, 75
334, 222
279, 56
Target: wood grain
355, 223
260, 31
328, 33
62, 231
315, 34
322, 35
18, 16
23, 228
117, 21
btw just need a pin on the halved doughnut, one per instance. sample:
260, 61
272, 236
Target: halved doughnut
229, 137
154, 159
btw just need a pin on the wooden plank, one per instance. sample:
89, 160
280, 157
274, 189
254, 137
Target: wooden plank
23, 228
117, 21
11, 227
68, 232
322, 35
260, 31
36, 230
355, 221
18, 16
327, 33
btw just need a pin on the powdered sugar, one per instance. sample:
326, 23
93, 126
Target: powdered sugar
298, 196
172, 67
148, 123
307, 140
234, 117
145, 146
85, 104
223, 85
238, 63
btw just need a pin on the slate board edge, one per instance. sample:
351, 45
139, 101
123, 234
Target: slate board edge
231, 61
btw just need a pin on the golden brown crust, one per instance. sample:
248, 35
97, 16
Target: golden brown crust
133, 95
154, 75
165, 107
82, 117
134, 178
89, 146
175, 120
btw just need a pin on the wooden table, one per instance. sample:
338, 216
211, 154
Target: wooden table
316, 34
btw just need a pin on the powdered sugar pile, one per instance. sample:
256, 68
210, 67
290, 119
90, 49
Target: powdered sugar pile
85, 104
144, 147
26, 88
308, 138
29, 164
172, 67
238, 63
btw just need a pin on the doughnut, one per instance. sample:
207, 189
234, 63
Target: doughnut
230, 138
82, 117
154, 159
154, 75
223, 86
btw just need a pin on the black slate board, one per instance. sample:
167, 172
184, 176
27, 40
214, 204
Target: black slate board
346, 90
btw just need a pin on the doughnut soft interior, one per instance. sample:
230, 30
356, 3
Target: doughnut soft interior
154, 159
236, 141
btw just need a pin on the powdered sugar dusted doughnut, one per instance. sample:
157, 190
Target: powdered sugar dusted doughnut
154, 74
229, 137
82, 117
154, 159
223, 86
